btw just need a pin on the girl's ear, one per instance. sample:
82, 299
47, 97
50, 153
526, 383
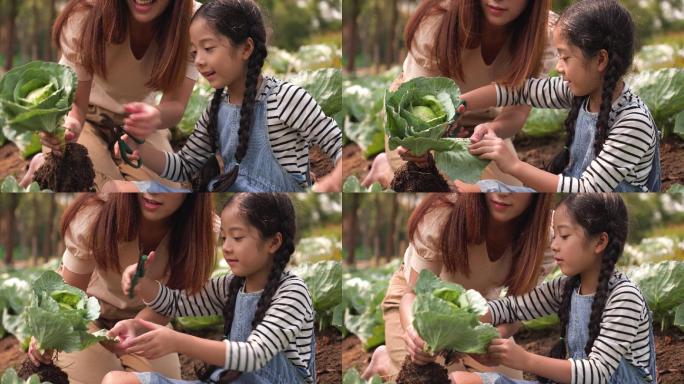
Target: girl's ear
602, 243
246, 49
602, 60
275, 242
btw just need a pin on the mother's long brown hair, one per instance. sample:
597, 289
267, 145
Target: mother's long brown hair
467, 224
461, 27
107, 22
191, 242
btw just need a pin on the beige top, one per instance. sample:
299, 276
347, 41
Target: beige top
486, 276
421, 61
106, 285
126, 75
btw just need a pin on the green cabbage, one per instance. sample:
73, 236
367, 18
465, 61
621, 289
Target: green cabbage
59, 314
10, 377
446, 316
662, 285
35, 97
410, 124
324, 280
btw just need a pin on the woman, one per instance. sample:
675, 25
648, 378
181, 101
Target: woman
475, 42
105, 234
123, 53
458, 237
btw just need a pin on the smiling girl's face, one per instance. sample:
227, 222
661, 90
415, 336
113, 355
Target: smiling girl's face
220, 61
574, 251
581, 73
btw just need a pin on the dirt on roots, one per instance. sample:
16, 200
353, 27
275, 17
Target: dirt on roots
73, 172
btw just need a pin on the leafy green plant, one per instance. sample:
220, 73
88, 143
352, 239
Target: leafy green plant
353, 185
662, 285
324, 85
352, 376
418, 115
35, 97
661, 90
10, 377
447, 316
10, 185
544, 122
324, 280
679, 317
59, 314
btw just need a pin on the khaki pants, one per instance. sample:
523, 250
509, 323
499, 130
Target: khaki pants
90, 365
106, 167
394, 332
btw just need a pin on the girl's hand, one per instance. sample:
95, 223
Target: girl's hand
38, 358
480, 132
72, 129
415, 345
129, 272
143, 119
421, 161
495, 149
508, 353
157, 342
125, 330
132, 144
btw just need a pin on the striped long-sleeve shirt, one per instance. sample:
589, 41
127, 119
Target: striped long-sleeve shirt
624, 332
294, 122
628, 151
287, 326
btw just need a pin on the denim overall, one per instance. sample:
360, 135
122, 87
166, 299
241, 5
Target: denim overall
278, 370
582, 154
577, 335
259, 169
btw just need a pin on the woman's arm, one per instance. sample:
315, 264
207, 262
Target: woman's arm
77, 280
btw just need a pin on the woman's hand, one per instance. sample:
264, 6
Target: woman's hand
131, 144
129, 273
72, 130
38, 358
155, 343
495, 149
143, 119
422, 161
415, 345
508, 353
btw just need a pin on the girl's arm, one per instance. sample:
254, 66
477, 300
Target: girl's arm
550, 92
541, 301
298, 110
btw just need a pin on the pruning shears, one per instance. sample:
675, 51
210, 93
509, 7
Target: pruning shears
119, 131
139, 272
124, 148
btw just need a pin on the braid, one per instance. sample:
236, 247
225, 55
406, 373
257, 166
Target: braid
610, 257
280, 261
610, 80
561, 161
211, 168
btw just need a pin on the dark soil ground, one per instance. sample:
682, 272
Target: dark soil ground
11, 162
49, 373
431, 373
328, 357
539, 152
411, 178
669, 352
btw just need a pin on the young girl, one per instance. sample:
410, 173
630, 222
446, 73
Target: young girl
612, 143
124, 53
103, 234
456, 236
261, 126
606, 326
475, 42
268, 312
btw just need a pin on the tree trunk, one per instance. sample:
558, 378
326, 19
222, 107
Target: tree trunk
36, 45
392, 237
377, 230
392, 42
50, 237
9, 53
11, 232
350, 221
377, 40
350, 33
